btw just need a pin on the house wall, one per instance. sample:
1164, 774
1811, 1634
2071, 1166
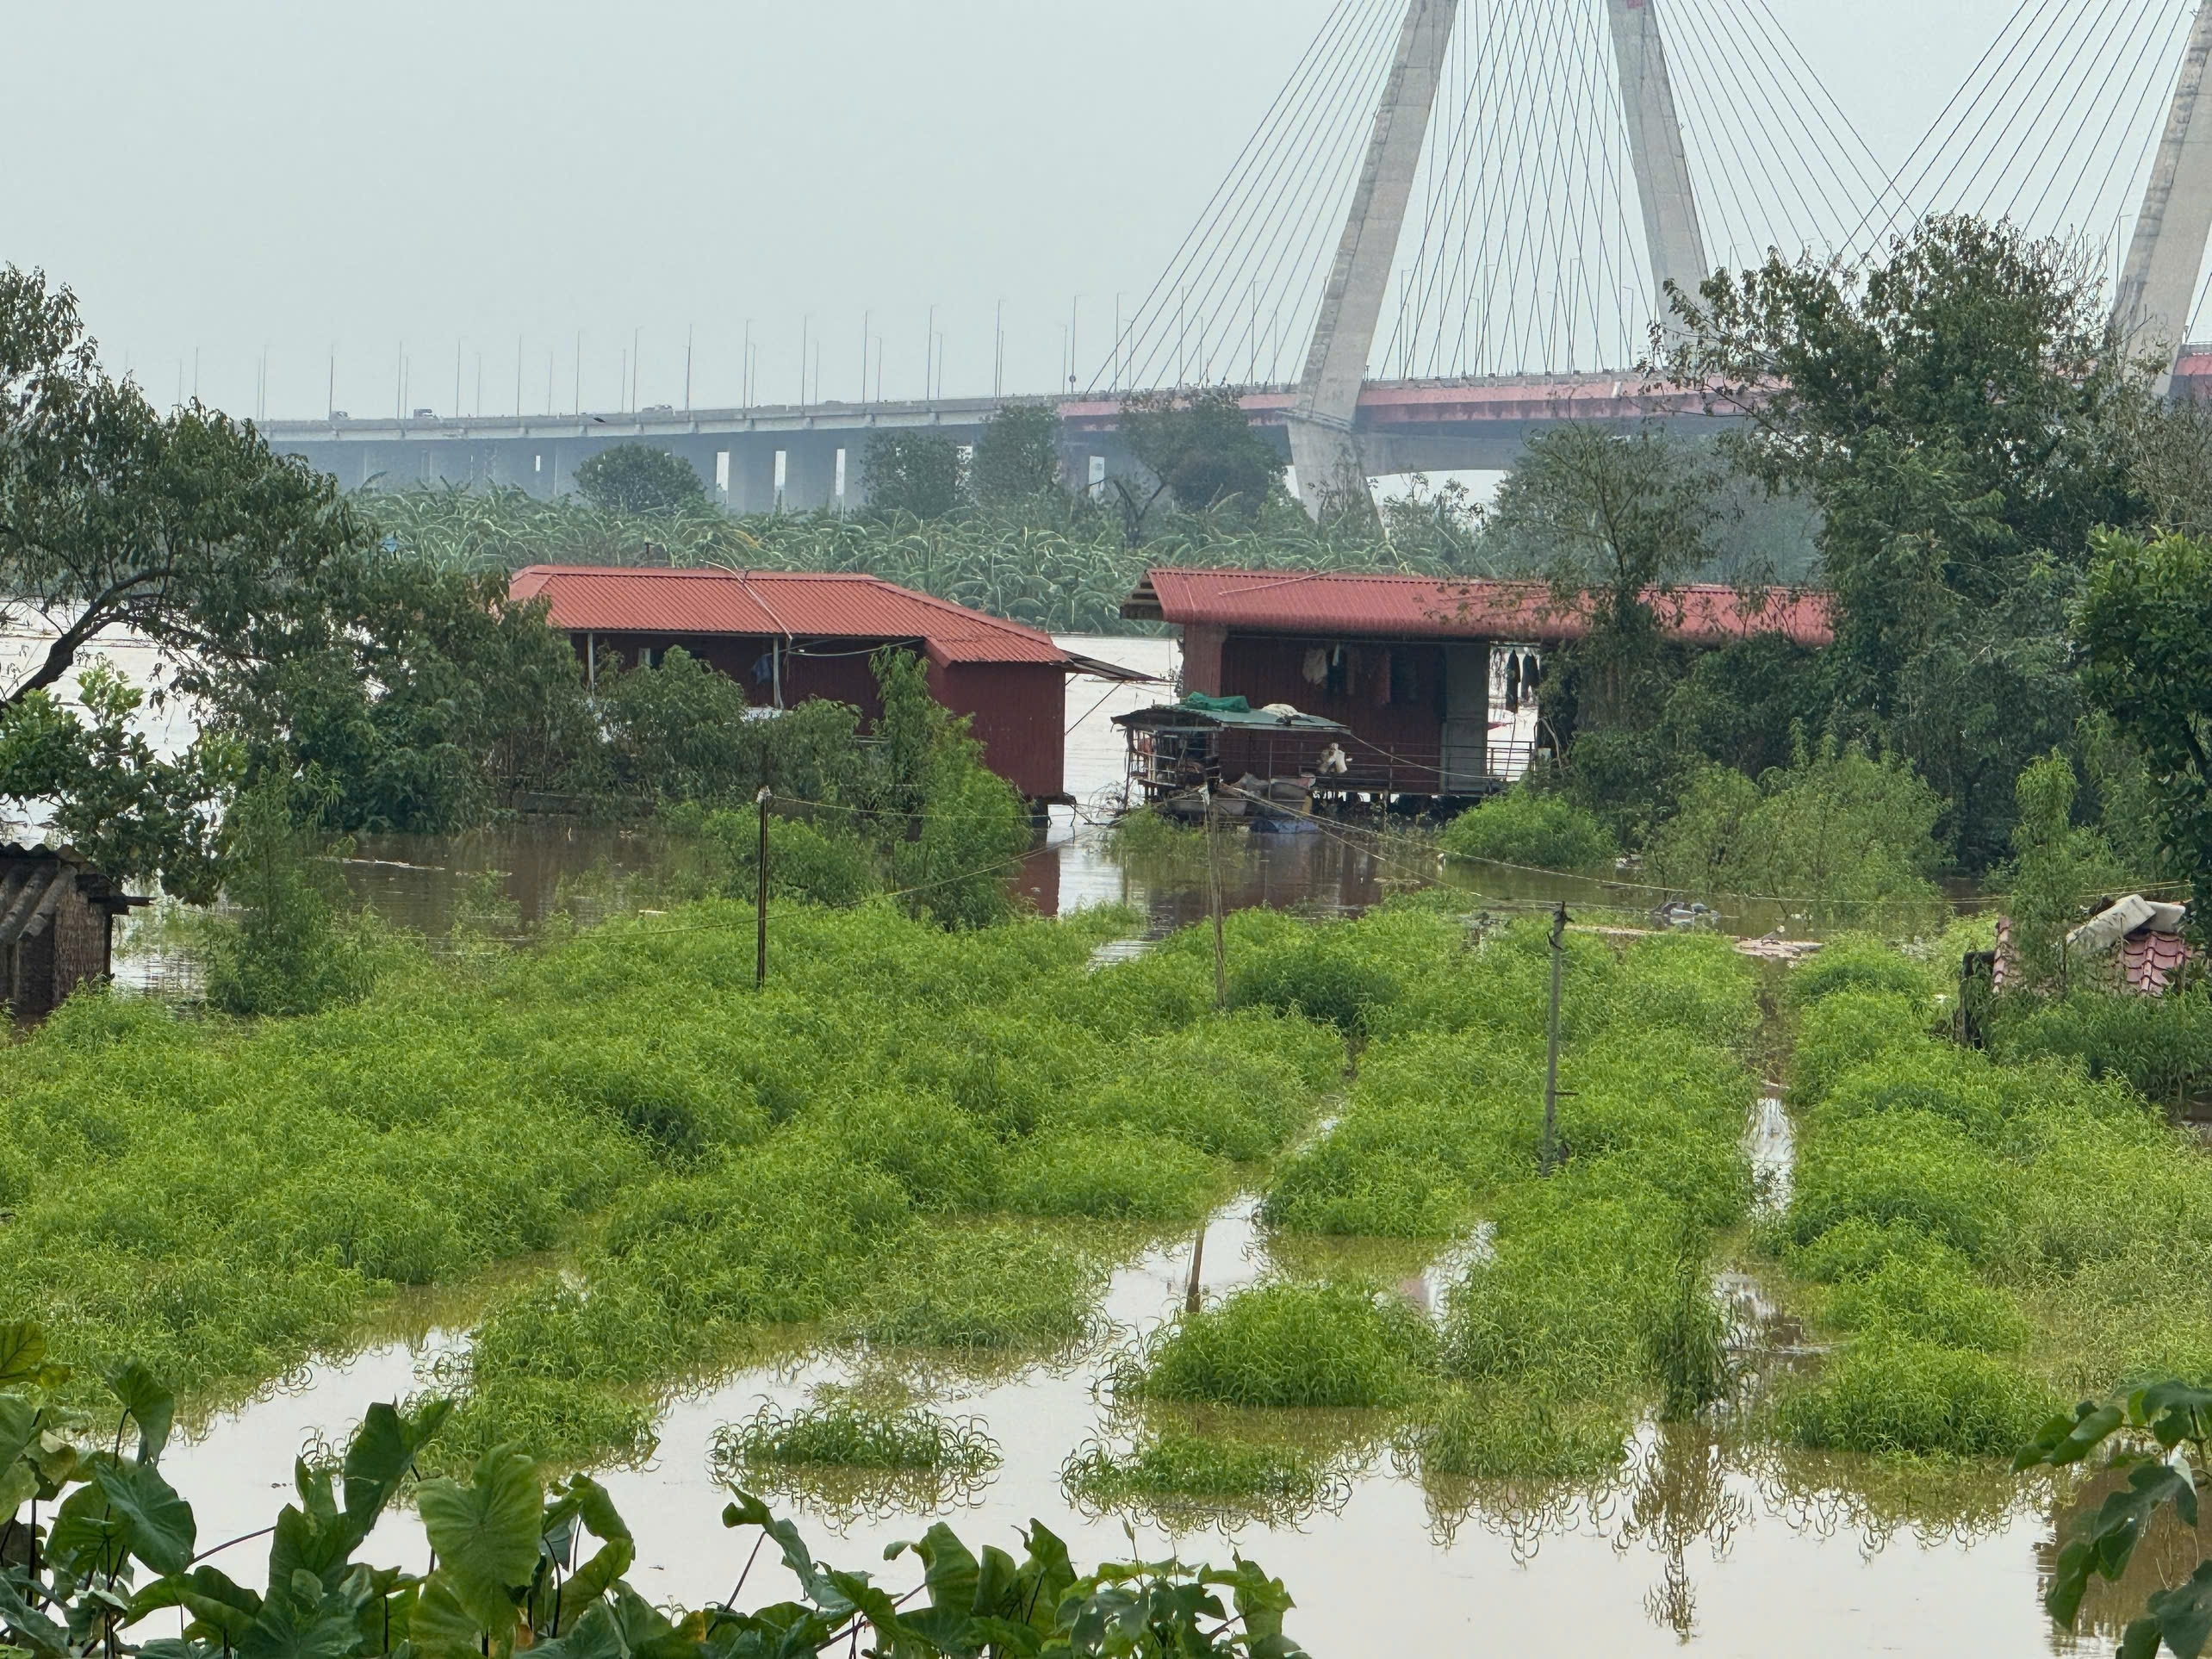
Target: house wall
1018, 712
1389, 693
79, 930
1017, 709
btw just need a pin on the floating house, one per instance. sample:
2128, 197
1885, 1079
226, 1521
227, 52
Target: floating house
56, 927
1435, 681
787, 636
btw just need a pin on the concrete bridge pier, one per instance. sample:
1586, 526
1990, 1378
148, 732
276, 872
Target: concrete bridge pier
752, 475
810, 472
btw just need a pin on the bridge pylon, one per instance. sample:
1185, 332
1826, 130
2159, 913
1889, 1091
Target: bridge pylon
2151, 306
1324, 447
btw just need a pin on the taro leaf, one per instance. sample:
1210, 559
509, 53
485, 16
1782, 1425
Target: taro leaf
2069, 1439
170, 1647
950, 1570
22, 1352
152, 1404
86, 1536
20, 1422
820, 1587
445, 1625
594, 1635
871, 1603
2181, 1616
311, 1622
2106, 1539
486, 1532
783, 1630
159, 1528
19, 1484
2173, 1412
998, 1582
381, 1452
220, 1608
34, 1630
1046, 1577
317, 1539
594, 1579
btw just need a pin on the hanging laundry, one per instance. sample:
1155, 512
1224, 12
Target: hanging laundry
1314, 669
1531, 672
1512, 682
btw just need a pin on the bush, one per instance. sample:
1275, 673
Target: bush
1320, 976
1933, 1297
1898, 1394
1847, 1029
1858, 961
1112, 1177
1292, 1345
1182, 1477
1547, 831
1905, 1167
2161, 1045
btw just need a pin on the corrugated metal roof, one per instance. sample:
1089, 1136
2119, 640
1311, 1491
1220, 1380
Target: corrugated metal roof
597, 598
1326, 602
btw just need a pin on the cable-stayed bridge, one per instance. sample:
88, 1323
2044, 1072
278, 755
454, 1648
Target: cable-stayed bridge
1458, 221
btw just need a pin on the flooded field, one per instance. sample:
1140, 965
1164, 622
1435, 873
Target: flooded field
1727, 1549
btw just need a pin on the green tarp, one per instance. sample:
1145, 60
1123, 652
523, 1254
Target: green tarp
1206, 705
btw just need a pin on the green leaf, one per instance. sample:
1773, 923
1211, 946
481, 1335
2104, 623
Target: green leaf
43, 1636
950, 1570
820, 1588
447, 1624
220, 1609
2069, 1439
159, 1528
381, 1450
23, 1352
152, 1405
2173, 1412
2184, 1615
2106, 1539
311, 1622
594, 1635
487, 1531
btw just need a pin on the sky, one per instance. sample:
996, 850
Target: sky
528, 187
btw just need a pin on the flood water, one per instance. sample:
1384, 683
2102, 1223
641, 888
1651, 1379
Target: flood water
1723, 1550
1728, 1551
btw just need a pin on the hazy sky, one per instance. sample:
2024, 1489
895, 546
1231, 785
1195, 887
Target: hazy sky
303, 179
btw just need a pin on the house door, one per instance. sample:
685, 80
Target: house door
1466, 718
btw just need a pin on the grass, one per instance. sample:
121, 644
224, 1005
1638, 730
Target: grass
1177, 1478
857, 1152
1547, 832
1986, 1233
857, 1450
1292, 1344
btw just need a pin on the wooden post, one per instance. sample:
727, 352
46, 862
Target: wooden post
760, 897
1214, 901
1549, 1157
1197, 1260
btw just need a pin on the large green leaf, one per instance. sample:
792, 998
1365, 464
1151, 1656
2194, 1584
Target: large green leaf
221, 1610
951, 1573
158, 1526
151, 1404
2181, 1617
382, 1450
487, 1531
34, 1629
2106, 1539
310, 1622
22, 1355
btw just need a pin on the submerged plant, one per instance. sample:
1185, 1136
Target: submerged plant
858, 1450
1179, 1478
1292, 1344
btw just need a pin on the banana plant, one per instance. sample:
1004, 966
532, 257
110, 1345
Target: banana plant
509, 1568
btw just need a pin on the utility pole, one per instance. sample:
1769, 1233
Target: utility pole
760, 896
1548, 1159
1214, 902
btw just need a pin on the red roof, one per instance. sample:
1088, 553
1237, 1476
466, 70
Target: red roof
1292, 601
765, 604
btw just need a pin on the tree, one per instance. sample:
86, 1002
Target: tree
1017, 459
2143, 629
184, 529
1201, 449
2053, 866
1615, 524
916, 473
1957, 414
638, 478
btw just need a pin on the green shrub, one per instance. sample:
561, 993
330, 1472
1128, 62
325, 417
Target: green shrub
1906, 1167
1547, 831
1292, 1344
1112, 1177
1848, 1029
995, 1288
2161, 1045
1320, 975
847, 1428
1898, 1394
1858, 961
1933, 1297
